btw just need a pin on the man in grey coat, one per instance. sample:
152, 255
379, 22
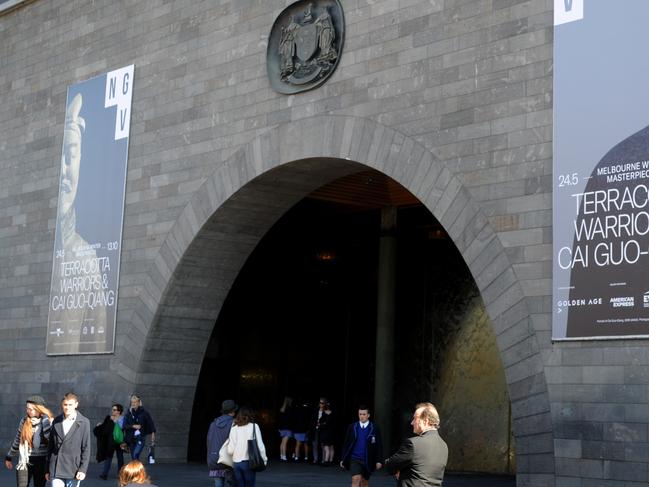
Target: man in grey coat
68, 453
420, 460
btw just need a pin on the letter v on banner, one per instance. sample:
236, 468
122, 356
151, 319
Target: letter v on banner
119, 92
568, 11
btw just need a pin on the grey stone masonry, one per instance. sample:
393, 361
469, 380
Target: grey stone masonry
451, 98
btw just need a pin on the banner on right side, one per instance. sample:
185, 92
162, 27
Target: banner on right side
600, 170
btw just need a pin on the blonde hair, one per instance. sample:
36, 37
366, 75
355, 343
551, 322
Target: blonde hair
133, 472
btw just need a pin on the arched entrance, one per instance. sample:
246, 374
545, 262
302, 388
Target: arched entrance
197, 264
301, 321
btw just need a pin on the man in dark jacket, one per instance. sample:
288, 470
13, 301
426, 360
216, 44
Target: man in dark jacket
362, 449
420, 460
216, 436
68, 453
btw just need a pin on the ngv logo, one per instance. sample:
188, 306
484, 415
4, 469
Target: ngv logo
568, 11
119, 92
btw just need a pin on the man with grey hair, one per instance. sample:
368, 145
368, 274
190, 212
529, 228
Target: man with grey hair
138, 425
421, 459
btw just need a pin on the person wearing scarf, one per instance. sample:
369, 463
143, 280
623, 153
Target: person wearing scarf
30, 443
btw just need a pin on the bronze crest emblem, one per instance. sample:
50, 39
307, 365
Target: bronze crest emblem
304, 45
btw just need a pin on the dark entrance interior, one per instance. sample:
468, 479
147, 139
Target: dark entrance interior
300, 318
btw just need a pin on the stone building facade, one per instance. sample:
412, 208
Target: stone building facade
450, 98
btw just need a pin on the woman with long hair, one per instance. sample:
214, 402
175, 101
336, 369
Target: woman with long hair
243, 429
133, 474
30, 443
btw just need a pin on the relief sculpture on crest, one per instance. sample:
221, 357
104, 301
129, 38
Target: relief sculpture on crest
308, 44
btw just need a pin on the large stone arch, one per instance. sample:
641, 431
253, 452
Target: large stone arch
183, 289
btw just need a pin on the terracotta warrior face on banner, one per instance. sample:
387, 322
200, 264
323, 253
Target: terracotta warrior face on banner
71, 157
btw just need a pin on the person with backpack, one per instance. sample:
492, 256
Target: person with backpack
110, 439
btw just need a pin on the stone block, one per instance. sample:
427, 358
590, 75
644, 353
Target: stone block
603, 450
604, 412
565, 448
632, 471
625, 432
568, 481
593, 374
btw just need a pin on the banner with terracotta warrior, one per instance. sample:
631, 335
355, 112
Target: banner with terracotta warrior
88, 236
600, 170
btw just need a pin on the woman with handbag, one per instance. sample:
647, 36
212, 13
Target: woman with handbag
247, 448
110, 440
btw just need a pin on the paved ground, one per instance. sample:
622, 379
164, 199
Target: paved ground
192, 475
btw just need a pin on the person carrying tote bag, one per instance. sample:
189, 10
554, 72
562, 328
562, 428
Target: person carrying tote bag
255, 461
219, 461
245, 429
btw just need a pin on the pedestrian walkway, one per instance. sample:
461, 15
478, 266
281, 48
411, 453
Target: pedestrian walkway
277, 475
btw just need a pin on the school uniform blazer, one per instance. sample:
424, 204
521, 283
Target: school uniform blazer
373, 447
420, 460
69, 454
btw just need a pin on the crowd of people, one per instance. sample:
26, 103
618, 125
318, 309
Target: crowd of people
311, 431
58, 449
419, 461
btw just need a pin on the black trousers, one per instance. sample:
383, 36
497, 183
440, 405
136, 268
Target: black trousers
35, 470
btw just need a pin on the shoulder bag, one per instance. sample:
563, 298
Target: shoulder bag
225, 459
255, 460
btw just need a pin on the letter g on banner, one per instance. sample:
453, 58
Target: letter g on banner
568, 11
119, 91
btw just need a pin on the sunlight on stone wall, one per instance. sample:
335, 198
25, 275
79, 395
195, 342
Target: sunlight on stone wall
472, 396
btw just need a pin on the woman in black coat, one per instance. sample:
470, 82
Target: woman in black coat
107, 440
326, 430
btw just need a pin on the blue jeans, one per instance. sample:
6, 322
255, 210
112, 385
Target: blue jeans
136, 449
227, 481
243, 475
120, 461
65, 483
